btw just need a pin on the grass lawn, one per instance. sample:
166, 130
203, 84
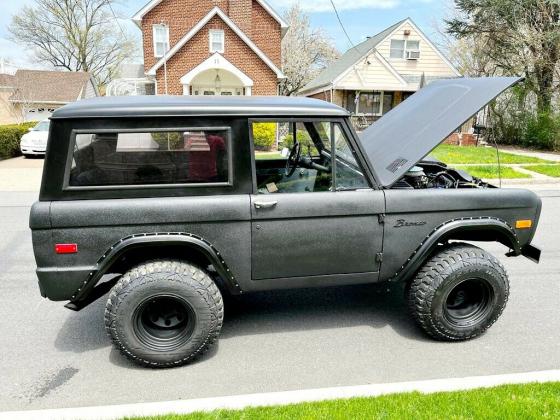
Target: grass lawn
531, 401
268, 155
491, 172
458, 154
550, 170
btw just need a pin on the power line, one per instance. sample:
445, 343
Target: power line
342, 25
116, 19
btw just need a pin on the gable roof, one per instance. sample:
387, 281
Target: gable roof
216, 11
355, 54
43, 86
137, 18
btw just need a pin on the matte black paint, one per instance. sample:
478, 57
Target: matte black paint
303, 240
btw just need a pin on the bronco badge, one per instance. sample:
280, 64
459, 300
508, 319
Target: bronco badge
403, 223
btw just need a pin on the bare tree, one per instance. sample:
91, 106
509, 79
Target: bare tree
305, 52
78, 35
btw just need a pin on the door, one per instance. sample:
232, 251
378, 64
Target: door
312, 216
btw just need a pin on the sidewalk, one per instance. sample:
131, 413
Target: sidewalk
555, 157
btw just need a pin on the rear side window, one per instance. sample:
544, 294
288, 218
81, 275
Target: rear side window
197, 156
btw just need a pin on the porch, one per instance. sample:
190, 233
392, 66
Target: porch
365, 106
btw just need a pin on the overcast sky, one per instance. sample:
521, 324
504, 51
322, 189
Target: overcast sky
360, 17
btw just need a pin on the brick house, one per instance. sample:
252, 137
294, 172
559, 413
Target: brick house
212, 47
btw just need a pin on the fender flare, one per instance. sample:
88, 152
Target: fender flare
447, 230
162, 238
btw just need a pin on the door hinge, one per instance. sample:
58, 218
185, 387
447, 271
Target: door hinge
379, 257
381, 218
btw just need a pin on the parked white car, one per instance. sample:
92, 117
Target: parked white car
35, 142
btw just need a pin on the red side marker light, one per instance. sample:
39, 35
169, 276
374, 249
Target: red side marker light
66, 248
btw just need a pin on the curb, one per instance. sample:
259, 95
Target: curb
280, 398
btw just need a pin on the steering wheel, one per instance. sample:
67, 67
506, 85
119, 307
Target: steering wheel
293, 159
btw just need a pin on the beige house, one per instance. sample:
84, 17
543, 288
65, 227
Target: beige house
378, 74
33, 95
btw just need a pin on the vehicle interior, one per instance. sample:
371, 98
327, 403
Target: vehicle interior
304, 161
149, 158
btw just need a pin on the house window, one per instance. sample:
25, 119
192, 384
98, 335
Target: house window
351, 101
369, 103
412, 50
161, 40
216, 41
401, 48
397, 48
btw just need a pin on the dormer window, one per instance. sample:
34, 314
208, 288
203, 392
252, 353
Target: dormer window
161, 40
407, 49
216, 41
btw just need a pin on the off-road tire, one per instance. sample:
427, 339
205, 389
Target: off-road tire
458, 266
182, 284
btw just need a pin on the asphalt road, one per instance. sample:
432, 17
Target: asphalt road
54, 358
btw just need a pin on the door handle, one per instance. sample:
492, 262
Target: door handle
265, 204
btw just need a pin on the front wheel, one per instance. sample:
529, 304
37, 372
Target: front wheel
164, 313
459, 293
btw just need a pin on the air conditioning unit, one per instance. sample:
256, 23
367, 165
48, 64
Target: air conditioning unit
413, 54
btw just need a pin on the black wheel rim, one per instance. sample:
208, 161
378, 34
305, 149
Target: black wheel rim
469, 302
164, 322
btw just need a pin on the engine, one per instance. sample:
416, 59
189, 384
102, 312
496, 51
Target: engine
434, 174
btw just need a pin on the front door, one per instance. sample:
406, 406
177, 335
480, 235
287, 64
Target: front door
310, 217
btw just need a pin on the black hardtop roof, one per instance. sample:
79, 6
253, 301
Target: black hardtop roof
163, 106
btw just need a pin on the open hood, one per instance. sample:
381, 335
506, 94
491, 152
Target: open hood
402, 137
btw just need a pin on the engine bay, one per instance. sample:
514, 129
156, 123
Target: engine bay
434, 174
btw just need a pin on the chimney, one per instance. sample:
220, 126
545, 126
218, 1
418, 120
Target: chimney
241, 12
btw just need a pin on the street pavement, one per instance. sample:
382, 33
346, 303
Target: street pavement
274, 341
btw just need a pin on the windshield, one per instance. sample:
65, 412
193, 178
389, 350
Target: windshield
42, 126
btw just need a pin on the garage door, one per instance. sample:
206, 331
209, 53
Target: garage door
38, 114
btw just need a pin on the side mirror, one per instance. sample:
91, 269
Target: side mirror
285, 152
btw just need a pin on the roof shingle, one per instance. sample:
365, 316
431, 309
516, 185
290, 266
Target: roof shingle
49, 86
7, 80
348, 59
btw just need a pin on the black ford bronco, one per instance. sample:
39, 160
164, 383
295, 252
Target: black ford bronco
167, 203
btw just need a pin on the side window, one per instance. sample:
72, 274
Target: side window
291, 157
150, 158
161, 40
349, 174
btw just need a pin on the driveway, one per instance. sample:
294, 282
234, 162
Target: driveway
21, 174
276, 341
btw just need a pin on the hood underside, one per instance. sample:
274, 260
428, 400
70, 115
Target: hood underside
402, 137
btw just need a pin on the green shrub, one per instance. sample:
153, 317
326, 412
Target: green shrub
304, 140
264, 135
542, 132
10, 136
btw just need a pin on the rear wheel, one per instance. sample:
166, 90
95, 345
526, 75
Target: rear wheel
164, 313
459, 293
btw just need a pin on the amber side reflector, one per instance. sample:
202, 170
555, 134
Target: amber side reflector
524, 224
66, 248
